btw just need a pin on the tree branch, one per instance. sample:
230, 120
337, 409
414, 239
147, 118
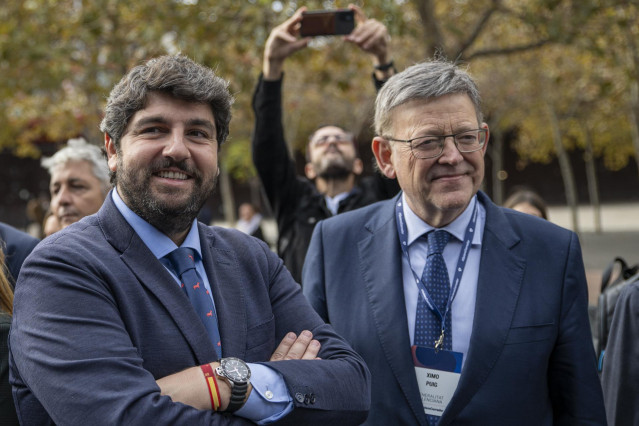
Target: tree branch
481, 24
508, 50
434, 40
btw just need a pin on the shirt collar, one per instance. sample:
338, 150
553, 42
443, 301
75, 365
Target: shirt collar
159, 244
416, 227
333, 202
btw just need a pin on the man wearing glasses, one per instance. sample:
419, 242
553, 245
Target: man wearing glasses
465, 312
332, 164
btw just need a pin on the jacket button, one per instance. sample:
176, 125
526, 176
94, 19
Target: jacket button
312, 398
307, 399
299, 397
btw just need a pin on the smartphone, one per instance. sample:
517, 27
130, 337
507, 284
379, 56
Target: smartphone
327, 22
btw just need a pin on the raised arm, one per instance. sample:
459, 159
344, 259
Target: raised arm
283, 41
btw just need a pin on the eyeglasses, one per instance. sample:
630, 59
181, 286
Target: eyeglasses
432, 146
338, 138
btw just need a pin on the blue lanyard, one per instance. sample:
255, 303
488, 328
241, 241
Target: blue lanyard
459, 270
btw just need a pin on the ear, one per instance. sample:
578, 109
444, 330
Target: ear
309, 171
383, 154
485, 126
358, 167
112, 155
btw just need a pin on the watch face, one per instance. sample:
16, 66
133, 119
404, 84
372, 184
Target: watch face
236, 369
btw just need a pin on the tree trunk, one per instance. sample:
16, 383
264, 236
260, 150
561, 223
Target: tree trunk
565, 168
591, 179
226, 193
634, 118
433, 41
497, 156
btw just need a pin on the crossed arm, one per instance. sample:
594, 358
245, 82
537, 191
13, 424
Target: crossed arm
189, 386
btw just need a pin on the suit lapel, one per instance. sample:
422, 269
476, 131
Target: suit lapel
383, 281
152, 275
500, 276
222, 271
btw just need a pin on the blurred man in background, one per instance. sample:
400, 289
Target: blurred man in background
79, 181
333, 164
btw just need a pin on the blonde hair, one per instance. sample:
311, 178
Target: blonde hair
6, 292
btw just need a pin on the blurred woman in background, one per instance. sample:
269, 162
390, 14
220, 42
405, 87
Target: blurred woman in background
527, 201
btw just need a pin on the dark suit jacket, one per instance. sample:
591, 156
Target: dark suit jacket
620, 373
7, 410
16, 246
530, 360
98, 319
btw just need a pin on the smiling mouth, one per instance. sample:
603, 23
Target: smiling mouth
449, 177
173, 175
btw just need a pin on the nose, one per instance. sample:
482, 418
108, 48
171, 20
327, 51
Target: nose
62, 198
451, 154
176, 147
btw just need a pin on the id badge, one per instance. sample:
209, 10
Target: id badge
438, 373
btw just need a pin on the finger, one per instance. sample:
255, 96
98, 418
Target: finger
367, 31
295, 17
360, 16
363, 31
283, 35
300, 346
285, 345
376, 37
312, 350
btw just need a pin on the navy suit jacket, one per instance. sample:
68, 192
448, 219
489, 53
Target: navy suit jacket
530, 360
16, 246
98, 319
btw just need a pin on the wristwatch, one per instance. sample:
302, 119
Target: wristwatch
236, 373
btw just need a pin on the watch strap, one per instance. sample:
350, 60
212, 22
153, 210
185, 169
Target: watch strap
386, 66
238, 396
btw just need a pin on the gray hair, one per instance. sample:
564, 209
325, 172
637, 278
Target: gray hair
426, 80
80, 150
175, 75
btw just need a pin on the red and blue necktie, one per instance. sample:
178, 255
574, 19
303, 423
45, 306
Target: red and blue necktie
183, 261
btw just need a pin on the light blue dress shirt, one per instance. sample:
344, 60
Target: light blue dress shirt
463, 306
265, 381
332, 203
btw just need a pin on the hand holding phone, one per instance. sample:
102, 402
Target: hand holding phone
327, 22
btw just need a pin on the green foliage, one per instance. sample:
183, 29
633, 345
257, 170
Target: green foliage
59, 59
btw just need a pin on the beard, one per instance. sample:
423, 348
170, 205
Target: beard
334, 168
169, 218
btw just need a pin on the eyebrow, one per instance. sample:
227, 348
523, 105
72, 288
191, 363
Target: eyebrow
72, 180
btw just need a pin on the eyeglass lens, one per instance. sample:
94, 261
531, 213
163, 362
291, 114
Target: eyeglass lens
433, 146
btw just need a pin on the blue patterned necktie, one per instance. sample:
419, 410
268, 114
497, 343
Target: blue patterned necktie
183, 261
428, 326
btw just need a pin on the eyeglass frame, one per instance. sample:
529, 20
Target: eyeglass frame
442, 141
345, 138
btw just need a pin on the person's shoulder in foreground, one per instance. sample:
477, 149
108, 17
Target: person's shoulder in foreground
16, 246
620, 372
141, 315
465, 312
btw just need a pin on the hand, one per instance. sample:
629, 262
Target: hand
370, 35
281, 43
294, 347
